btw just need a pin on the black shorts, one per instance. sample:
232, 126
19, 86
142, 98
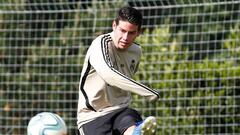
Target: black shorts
115, 123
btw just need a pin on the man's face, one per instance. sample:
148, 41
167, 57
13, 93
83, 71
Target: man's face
125, 34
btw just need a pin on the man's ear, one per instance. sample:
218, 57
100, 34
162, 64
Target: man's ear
114, 25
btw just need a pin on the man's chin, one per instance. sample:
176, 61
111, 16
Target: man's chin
124, 46
121, 47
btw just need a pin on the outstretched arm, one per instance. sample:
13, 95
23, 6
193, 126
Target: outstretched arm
101, 62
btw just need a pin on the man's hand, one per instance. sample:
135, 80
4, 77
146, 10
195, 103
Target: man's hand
153, 98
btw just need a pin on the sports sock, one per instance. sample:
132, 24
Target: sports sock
146, 127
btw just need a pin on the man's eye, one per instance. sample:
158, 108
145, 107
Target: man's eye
132, 33
122, 30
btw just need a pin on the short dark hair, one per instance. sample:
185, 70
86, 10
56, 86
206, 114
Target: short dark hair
129, 14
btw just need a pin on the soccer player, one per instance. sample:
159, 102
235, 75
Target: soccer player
105, 85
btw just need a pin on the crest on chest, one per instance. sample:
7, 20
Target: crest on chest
121, 66
133, 65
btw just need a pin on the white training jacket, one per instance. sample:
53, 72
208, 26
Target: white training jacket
105, 84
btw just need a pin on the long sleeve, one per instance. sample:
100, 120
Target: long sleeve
100, 60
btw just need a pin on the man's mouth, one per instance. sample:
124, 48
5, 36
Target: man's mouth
125, 43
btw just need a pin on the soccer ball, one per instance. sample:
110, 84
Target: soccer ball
46, 123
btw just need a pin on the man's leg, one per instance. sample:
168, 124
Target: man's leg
96, 127
124, 120
129, 122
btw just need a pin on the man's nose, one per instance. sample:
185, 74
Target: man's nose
125, 36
